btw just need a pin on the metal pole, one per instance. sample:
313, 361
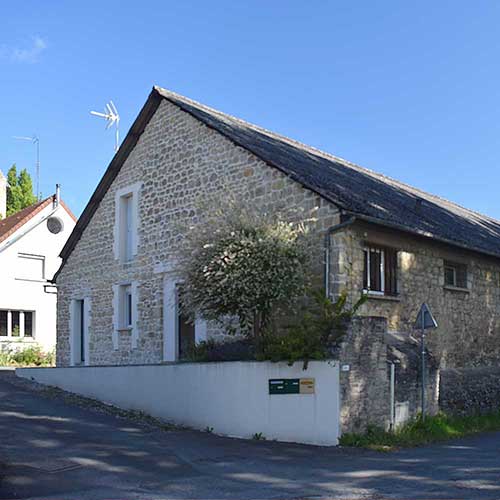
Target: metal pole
423, 366
38, 169
393, 376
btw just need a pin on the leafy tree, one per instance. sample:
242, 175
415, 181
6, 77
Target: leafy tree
19, 191
243, 265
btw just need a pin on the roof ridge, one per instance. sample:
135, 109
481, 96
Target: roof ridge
308, 148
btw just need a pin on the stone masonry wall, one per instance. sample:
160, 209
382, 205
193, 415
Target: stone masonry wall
469, 320
470, 391
364, 387
179, 162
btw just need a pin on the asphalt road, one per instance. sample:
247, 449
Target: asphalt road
55, 447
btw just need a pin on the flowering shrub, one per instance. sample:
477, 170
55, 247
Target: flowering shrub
29, 356
244, 265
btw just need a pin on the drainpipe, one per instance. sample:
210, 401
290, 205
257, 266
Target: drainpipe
328, 244
393, 385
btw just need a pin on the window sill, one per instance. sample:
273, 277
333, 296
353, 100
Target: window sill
125, 329
380, 296
456, 289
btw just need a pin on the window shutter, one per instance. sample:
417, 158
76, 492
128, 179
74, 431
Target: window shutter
390, 269
365, 271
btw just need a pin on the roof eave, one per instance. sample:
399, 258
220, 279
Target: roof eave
423, 234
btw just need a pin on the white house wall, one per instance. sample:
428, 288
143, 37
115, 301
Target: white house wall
25, 295
231, 398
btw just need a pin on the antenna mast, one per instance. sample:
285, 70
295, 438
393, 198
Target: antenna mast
36, 141
113, 118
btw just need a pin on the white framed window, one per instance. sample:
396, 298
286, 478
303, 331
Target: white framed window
30, 267
126, 223
125, 312
380, 270
17, 324
455, 274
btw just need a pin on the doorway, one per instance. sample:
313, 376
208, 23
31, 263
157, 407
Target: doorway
79, 334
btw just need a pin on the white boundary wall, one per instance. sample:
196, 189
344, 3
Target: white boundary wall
230, 397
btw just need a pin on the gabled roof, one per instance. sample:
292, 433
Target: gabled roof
356, 190
11, 224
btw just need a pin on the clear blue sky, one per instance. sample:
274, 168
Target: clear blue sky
409, 89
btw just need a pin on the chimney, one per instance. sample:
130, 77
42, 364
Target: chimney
3, 196
57, 196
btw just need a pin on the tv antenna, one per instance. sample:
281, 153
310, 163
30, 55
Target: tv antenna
36, 141
113, 118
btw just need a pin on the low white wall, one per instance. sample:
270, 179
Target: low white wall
231, 397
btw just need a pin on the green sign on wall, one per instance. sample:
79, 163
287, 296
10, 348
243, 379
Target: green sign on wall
284, 386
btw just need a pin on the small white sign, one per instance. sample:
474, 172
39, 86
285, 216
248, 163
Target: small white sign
345, 368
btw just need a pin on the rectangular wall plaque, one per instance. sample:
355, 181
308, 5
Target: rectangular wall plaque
307, 385
291, 386
284, 386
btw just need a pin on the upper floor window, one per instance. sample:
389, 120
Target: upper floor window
31, 267
126, 223
380, 270
455, 274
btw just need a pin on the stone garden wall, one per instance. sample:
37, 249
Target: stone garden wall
469, 391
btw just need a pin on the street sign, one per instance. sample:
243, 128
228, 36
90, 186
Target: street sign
425, 319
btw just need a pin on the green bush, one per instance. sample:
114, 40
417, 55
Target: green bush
30, 356
312, 334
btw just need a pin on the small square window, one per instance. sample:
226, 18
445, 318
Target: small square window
455, 274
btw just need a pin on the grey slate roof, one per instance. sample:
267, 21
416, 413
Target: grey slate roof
357, 191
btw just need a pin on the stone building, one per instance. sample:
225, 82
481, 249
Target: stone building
117, 284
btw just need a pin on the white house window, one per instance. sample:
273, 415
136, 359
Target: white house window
28, 324
17, 323
455, 274
380, 270
126, 223
3, 323
31, 267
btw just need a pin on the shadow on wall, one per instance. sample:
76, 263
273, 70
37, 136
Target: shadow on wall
365, 387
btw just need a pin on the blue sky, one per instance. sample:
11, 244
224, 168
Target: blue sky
409, 89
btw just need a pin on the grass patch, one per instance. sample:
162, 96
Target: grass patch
418, 432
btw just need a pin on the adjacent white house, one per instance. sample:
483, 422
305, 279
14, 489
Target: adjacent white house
30, 242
